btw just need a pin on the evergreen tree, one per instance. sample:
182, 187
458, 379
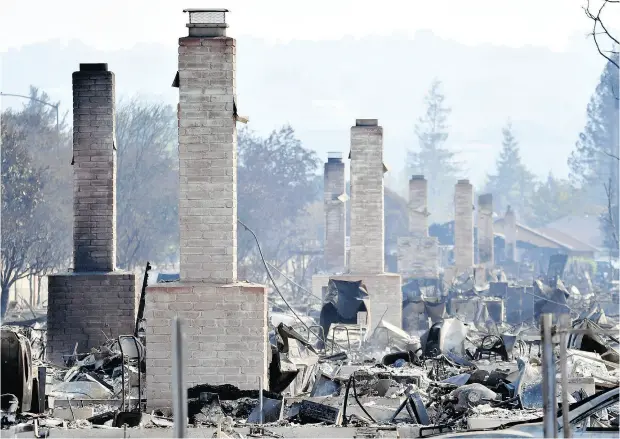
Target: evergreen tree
432, 159
594, 162
513, 184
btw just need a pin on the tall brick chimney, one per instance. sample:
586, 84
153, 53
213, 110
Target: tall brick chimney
485, 230
367, 220
207, 150
226, 321
510, 234
94, 152
94, 302
418, 206
366, 254
463, 225
335, 213
418, 253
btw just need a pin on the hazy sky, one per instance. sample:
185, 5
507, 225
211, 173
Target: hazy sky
556, 25
115, 24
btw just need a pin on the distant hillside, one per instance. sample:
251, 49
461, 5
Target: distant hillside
321, 87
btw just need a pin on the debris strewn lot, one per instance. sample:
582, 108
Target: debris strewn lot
459, 374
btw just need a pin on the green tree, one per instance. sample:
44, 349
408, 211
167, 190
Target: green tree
594, 162
512, 184
432, 158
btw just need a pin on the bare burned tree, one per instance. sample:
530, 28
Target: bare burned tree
601, 32
36, 194
148, 176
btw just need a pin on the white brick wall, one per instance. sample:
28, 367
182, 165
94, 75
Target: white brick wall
367, 211
463, 225
385, 296
225, 330
485, 230
208, 159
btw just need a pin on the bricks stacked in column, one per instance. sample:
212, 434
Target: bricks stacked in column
94, 302
418, 224
334, 248
418, 254
88, 308
485, 229
208, 159
510, 234
226, 339
225, 322
463, 225
94, 190
366, 255
367, 212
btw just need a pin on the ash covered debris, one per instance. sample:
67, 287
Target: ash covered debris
449, 378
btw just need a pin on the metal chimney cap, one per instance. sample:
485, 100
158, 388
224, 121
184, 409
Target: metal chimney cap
205, 10
486, 199
207, 22
366, 122
334, 157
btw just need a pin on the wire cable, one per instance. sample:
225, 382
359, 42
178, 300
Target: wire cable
547, 299
293, 282
275, 286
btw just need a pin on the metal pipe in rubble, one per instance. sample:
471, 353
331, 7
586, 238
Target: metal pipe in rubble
260, 400
548, 368
564, 324
179, 392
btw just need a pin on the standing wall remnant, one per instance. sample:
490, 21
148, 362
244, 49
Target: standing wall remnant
225, 321
95, 301
485, 230
463, 225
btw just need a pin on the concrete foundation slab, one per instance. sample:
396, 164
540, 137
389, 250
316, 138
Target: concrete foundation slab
225, 330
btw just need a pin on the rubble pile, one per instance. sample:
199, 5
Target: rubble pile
466, 361
456, 375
